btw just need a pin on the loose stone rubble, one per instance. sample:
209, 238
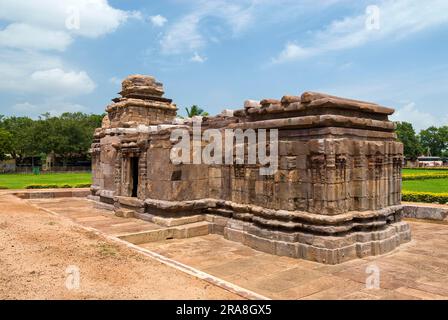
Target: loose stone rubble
335, 197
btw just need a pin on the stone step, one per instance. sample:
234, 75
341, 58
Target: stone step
53, 193
179, 232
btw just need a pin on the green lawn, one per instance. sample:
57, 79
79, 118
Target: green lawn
20, 181
430, 185
434, 186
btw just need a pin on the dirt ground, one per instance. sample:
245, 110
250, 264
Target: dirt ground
36, 249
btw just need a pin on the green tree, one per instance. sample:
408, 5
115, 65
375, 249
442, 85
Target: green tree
443, 133
5, 143
23, 142
195, 111
68, 135
434, 140
407, 135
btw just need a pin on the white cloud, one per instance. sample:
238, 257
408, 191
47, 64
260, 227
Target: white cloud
25, 107
16, 69
20, 35
186, 36
183, 36
197, 58
45, 26
420, 120
211, 21
62, 82
398, 19
96, 17
115, 81
43, 74
158, 20
54, 107
292, 51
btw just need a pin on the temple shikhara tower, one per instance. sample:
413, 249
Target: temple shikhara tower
336, 194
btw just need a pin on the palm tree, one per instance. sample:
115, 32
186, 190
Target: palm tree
195, 111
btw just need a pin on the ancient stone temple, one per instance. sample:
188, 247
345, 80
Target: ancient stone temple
335, 195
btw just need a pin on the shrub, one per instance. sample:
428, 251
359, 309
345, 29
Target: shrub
426, 197
82, 185
429, 168
41, 186
56, 186
48, 186
425, 176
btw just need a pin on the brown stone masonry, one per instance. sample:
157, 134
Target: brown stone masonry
335, 196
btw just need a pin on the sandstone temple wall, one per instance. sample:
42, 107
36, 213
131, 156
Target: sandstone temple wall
335, 196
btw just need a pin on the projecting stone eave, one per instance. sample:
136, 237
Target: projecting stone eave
315, 98
312, 101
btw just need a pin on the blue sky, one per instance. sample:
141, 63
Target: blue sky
70, 55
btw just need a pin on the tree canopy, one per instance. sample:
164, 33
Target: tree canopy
407, 135
435, 140
5, 143
65, 135
21, 130
195, 111
432, 141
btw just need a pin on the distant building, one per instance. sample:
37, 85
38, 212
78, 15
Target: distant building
430, 162
8, 166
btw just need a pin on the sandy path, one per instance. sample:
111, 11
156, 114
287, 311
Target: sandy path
36, 248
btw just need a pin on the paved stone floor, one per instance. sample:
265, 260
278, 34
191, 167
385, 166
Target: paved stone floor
417, 270
86, 213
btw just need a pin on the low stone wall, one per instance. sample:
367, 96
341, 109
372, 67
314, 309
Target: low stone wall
70, 169
425, 212
64, 193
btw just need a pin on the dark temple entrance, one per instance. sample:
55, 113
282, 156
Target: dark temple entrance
134, 175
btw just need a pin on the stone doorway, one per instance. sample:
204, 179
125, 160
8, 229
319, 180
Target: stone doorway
134, 174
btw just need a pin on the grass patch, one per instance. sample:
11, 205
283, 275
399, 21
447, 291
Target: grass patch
56, 180
432, 186
424, 171
107, 250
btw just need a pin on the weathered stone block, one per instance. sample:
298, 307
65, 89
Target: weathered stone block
317, 146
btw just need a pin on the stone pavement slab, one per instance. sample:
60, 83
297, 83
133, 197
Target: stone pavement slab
416, 270
86, 213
